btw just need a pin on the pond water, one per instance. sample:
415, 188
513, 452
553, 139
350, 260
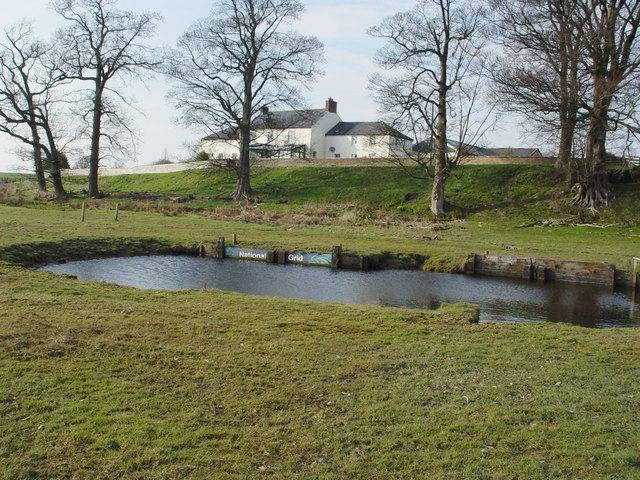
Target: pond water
500, 299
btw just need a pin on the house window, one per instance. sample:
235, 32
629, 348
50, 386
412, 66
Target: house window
354, 155
269, 137
354, 140
314, 154
220, 156
291, 136
234, 156
373, 140
337, 155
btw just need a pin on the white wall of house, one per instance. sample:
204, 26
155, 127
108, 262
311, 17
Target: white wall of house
365, 146
221, 149
318, 138
319, 145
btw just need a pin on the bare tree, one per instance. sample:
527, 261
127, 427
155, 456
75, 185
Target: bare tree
433, 47
103, 43
28, 81
574, 67
610, 31
541, 74
235, 64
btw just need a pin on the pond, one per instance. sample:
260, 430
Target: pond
500, 299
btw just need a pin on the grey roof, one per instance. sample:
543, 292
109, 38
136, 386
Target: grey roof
365, 128
495, 152
289, 119
229, 134
513, 152
277, 121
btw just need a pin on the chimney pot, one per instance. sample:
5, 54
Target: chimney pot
331, 106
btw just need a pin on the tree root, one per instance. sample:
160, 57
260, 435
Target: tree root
594, 193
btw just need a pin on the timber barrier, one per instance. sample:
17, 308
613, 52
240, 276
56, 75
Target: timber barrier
336, 259
532, 269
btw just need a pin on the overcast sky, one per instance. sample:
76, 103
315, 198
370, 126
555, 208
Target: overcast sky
340, 24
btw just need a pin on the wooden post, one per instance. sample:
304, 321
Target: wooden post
336, 252
82, 215
117, 210
234, 239
219, 248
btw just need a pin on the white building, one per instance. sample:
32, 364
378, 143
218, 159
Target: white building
311, 134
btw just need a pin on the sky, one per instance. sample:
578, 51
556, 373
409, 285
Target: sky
340, 24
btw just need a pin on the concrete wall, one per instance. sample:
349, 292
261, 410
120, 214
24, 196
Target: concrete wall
110, 172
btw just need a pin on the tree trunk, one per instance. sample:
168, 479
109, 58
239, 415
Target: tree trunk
440, 175
593, 189
56, 176
37, 160
54, 163
437, 194
243, 184
94, 158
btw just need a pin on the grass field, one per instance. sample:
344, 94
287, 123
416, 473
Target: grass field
102, 382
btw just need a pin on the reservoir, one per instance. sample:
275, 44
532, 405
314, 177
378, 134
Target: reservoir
500, 299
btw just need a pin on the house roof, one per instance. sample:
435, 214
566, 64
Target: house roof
365, 128
289, 119
277, 121
514, 152
495, 152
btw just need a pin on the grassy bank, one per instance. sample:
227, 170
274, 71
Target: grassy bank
99, 381
445, 244
523, 192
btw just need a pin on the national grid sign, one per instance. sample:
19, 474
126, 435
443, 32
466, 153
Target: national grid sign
302, 258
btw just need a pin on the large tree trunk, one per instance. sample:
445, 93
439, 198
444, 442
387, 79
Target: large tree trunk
56, 177
440, 175
243, 184
54, 163
37, 160
593, 188
94, 158
437, 194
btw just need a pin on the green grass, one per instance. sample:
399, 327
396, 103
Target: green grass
99, 381
473, 188
449, 247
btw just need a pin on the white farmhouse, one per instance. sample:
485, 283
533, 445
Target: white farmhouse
311, 134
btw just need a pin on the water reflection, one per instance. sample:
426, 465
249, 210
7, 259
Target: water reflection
500, 299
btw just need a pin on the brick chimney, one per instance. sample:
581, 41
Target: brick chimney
331, 106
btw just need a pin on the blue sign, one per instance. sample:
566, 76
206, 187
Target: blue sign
309, 258
246, 254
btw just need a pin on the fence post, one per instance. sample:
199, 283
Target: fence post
336, 251
117, 211
220, 248
82, 215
